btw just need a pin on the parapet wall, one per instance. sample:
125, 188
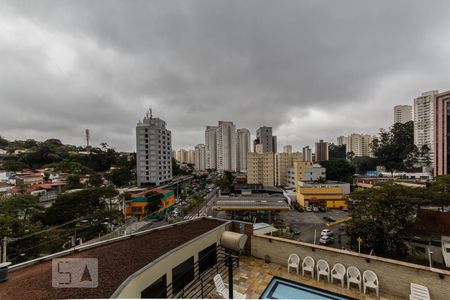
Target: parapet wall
394, 276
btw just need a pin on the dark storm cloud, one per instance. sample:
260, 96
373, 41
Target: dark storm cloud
310, 69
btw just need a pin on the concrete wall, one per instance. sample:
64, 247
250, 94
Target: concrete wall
395, 276
143, 278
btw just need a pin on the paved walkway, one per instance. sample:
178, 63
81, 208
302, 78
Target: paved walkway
254, 276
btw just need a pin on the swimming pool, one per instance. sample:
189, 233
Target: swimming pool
280, 288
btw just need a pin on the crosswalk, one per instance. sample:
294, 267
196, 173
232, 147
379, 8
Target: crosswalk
193, 217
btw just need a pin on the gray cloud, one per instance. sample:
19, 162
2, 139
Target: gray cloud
310, 69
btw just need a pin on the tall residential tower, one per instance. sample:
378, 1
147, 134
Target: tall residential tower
153, 151
243, 148
424, 121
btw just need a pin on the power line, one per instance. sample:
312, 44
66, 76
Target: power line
43, 231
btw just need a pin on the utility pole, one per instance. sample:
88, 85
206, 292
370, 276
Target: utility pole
5, 240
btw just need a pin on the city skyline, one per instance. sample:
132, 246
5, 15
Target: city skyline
84, 69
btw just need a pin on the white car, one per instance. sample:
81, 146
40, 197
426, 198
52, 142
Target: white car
326, 240
315, 209
327, 232
308, 208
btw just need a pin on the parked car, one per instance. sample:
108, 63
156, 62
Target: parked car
329, 219
295, 230
327, 232
322, 208
326, 240
315, 209
308, 208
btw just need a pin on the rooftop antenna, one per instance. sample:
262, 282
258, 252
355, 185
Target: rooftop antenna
151, 114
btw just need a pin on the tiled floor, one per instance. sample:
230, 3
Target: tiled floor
254, 275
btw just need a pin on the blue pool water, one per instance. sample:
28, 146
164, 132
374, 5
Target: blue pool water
280, 288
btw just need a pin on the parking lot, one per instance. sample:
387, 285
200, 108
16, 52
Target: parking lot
312, 223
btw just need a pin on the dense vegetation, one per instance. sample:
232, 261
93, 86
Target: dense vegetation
33, 230
380, 214
52, 154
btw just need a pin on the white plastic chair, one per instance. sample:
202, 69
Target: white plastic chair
370, 280
419, 292
353, 276
222, 289
338, 273
308, 266
323, 268
293, 262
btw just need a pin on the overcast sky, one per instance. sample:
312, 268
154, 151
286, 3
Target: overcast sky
310, 69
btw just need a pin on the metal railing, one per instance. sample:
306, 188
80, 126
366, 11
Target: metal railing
202, 285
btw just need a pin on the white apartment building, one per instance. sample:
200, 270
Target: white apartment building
284, 161
341, 140
181, 156
424, 121
307, 154
153, 151
226, 146
359, 144
190, 157
243, 148
261, 167
211, 147
287, 149
402, 113
200, 157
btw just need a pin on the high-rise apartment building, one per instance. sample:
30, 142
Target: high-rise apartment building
402, 113
321, 151
261, 167
182, 156
190, 157
243, 148
153, 151
341, 140
442, 133
359, 144
266, 139
307, 154
424, 121
200, 157
284, 161
211, 147
287, 149
226, 146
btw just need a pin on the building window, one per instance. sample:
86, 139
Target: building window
183, 274
158, 289
207, 258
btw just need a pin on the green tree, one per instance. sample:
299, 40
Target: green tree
336, 152
3, 142
18, 218
363, 164
12, 164
121, 177
73, 181
339, 169
95, 179
395, 149
440, 191
379, 214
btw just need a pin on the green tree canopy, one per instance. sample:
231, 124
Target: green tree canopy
379, 214
395, 148
336, 152
339, 169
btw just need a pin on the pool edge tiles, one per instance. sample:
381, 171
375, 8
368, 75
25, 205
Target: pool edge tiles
303, 291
